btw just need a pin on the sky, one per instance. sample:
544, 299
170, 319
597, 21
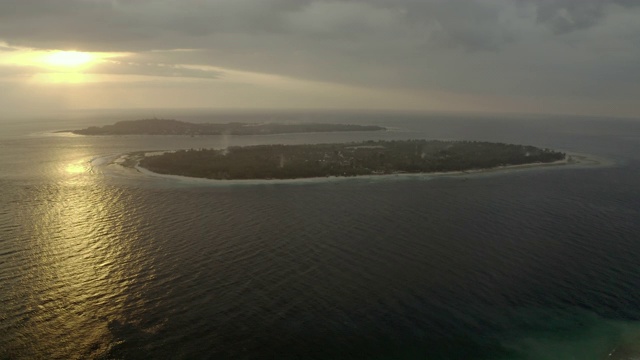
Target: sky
497, 56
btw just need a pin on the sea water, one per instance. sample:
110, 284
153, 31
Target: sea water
101, 261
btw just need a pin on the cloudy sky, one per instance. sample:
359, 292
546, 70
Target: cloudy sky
526, 56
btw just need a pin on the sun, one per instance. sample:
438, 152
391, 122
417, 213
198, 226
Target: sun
68, 58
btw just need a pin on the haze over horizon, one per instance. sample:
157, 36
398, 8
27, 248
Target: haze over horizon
530, 56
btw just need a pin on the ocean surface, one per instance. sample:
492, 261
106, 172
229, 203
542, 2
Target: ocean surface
102, 262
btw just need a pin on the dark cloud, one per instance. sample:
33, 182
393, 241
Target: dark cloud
162, 24
165, 24
495, 47
135, 24
471, 25
564, 16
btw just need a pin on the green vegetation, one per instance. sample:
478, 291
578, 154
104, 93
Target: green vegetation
351, 159
175, 127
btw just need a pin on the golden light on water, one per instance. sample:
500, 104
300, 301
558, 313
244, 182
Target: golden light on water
68, 58
75, 168
81, 266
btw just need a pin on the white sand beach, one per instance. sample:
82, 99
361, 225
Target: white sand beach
131, 160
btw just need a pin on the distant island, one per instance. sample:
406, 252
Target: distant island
175, 127
350, 159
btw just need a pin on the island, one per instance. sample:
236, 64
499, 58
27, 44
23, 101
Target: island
175, 127
347, 159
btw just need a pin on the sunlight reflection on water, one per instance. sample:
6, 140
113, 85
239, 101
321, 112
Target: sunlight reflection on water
76, 168
81, 265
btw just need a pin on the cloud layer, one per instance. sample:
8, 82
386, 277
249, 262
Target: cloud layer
583, 50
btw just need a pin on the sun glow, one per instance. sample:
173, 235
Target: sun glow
70, 77
68, 58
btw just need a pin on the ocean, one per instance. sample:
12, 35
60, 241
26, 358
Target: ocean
98, 261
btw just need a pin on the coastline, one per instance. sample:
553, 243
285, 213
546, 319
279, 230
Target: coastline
155, 126
132, 160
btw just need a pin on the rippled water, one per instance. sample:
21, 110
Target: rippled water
97, 261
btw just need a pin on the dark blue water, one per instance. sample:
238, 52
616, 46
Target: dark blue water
97, 261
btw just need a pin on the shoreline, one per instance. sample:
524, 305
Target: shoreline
155, 126
132, 160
